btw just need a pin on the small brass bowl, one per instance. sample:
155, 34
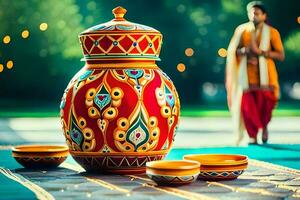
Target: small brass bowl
216, 167
175, 172
40, 156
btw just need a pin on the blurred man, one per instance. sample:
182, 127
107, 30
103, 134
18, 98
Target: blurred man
251, 76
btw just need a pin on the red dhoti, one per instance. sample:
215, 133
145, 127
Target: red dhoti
256, 108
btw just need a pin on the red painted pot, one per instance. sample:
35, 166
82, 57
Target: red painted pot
120, 110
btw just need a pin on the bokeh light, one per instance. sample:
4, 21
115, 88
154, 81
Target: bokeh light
189, 52
6, 39
91, 5
43, 26
1, 68
181, 67
181, 8
298, 20
222, 52
295, 91
25, 34
9, 64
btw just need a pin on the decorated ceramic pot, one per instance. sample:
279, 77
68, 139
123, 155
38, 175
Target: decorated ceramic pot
120, 110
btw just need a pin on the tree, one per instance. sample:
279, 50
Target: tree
43, 61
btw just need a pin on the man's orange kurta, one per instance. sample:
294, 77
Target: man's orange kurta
253, 70
251, 106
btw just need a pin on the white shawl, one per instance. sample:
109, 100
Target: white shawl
238, 75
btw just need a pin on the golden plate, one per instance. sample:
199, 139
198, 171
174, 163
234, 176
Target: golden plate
219, 166
175, 172
40, 156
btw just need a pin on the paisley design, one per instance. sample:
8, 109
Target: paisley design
83, 77
134, 73
169, 97
167, 100
102, 98
134, 132
81, 137
80, 78
102, 103
138, 133
138, 78
75, 132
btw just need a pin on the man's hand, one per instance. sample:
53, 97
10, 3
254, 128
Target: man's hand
243, 51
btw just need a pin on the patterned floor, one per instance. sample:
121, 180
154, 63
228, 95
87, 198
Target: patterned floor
260, 181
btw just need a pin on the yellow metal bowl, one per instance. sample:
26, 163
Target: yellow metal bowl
175, 172
219, 166
217, 159
40, 156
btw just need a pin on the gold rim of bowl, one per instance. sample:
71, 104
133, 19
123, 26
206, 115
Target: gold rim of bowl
173, 165
218, 159
37, 148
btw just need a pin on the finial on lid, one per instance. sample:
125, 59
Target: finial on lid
119, 12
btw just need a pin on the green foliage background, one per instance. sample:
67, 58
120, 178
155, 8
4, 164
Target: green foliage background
45, 62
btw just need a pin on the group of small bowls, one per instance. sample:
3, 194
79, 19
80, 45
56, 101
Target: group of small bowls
209, 167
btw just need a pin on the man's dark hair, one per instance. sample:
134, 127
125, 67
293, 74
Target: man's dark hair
257, 4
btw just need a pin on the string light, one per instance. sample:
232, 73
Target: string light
43, 26
1, 68
189, 52
222, 52
6, 39
9, 64
181, 67
25, 34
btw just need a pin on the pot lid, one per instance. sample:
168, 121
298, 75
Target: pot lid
121, 39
